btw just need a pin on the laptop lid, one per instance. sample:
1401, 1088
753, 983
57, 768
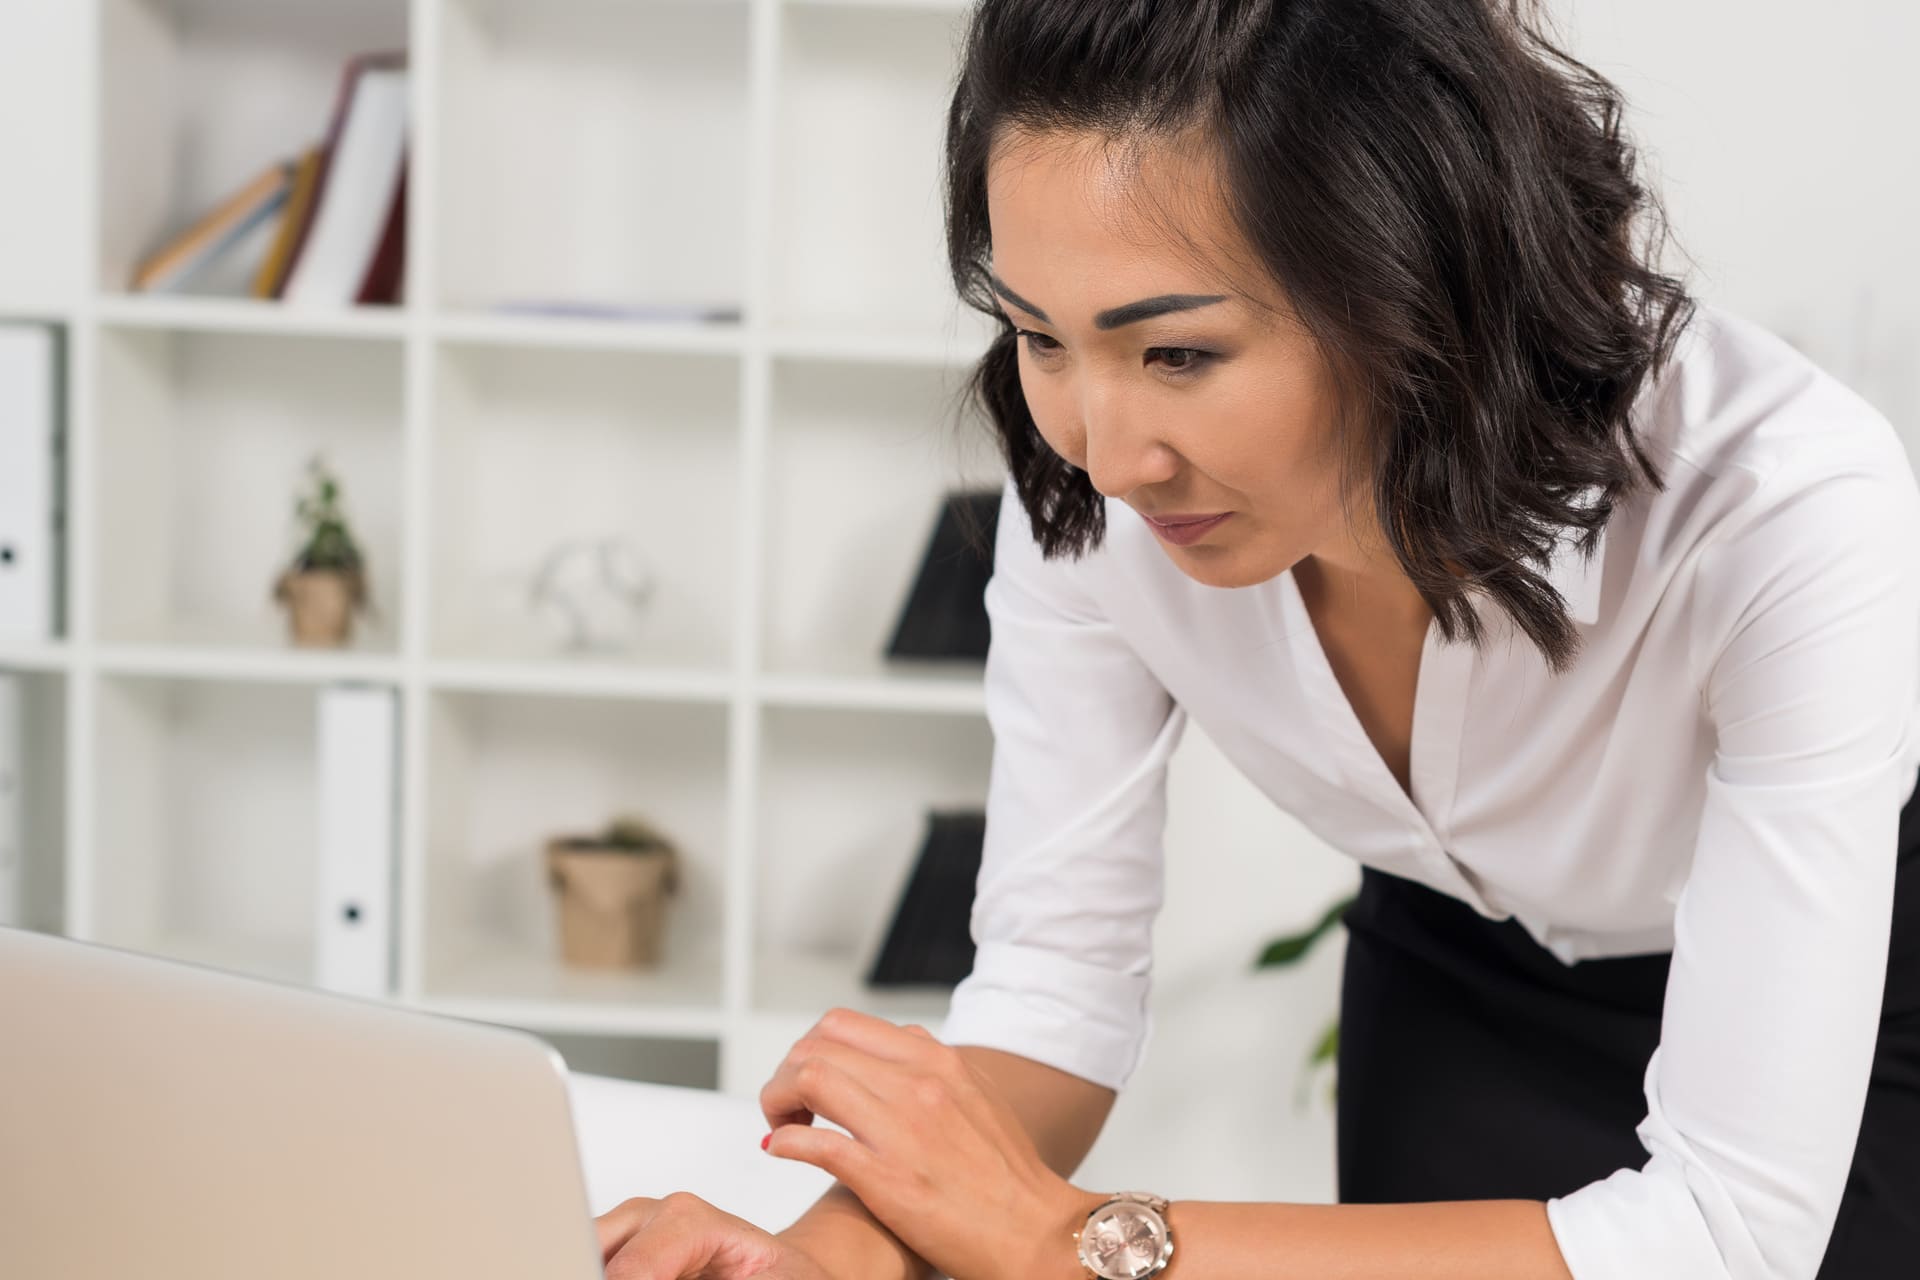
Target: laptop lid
173, 1122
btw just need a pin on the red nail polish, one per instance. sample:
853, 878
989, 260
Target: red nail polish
764, 1141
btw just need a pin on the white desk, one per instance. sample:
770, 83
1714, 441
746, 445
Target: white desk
649, 1139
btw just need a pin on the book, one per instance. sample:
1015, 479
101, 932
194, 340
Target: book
272, 275
348, 249
177, 262
387, 271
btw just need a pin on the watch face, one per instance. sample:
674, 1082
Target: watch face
1125, 1241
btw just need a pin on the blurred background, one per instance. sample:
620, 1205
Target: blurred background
479, 493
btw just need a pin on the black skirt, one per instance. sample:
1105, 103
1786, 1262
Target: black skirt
1474, 1065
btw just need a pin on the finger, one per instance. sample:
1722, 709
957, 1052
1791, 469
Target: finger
830, 1080
617, 1225
683, 1235
877, 1036
668, 1247
863, 1031
847, 1160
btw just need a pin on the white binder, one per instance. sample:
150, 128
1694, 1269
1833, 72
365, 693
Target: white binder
358, 829
29, 513
13, 804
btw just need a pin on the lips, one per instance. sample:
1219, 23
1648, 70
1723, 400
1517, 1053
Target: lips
1174, 522
1189, 531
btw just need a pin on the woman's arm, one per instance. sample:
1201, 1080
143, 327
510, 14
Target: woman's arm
1442, 1240
1470, 1239
1062, 1113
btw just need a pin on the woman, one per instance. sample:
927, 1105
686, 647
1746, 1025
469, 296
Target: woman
1343, 414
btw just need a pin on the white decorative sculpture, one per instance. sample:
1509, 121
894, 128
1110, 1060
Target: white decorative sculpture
592, 595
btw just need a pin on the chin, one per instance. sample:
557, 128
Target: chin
1222, 567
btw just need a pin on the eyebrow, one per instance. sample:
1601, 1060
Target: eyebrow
1116, 317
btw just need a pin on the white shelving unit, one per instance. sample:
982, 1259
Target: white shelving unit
776, 157
779, 156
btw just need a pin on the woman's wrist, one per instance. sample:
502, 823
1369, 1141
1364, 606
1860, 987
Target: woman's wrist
1051, 1251
844, 1237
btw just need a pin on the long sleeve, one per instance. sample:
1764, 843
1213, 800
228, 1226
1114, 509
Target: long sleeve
1071, 876
1807, 614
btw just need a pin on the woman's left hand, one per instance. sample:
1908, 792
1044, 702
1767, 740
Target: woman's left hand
935, 1153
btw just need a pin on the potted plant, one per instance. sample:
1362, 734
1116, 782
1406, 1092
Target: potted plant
1290, 950
327, 580
611, 889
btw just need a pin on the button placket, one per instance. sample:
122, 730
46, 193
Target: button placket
1439, 720
1440, 693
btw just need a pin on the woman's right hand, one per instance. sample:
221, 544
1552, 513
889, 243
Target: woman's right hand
682, 1237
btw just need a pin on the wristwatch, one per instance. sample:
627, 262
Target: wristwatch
1127, 1238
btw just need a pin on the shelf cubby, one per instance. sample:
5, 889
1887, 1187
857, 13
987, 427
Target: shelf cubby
861, 96
505, 772
689, 1063
894, 440
538, 448
204, 439
592, 153
828, 873
198, 96
43, 249
204, 820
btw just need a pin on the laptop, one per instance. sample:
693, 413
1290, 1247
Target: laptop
168, 1121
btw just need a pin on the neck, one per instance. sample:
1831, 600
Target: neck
1362, 580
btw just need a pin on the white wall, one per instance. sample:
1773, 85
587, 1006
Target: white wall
1785, 137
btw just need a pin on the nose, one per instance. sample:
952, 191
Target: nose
1122, 438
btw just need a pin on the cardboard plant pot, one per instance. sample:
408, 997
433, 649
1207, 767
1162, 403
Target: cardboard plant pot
320, 605
612, 902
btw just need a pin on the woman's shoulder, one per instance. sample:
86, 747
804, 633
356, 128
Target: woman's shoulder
1741, 406
1785, 489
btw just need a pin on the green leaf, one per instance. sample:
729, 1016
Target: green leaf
329, 543
1329, 1047
1324, 1054
1287, 950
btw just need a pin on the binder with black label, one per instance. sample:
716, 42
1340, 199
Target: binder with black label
31, 511
358, 833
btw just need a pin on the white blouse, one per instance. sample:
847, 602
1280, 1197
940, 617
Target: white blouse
1719, 774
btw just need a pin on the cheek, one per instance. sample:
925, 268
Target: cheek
1248, 437
1276, 434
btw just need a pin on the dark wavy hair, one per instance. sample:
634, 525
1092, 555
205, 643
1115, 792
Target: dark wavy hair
1449, 205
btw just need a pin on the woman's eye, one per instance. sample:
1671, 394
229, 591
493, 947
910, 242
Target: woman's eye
1035, 342
1178, 360
1185, 359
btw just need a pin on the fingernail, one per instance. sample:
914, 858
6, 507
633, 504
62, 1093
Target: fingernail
764, 1141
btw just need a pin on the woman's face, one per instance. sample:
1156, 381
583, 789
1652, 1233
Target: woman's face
1144, 368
